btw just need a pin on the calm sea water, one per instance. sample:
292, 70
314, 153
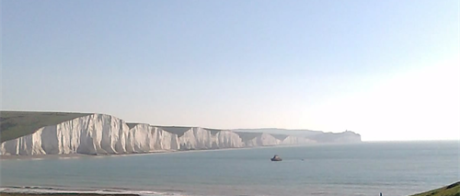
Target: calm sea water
397, 168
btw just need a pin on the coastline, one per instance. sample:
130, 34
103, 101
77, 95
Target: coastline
39, 157
67, 191
70, 156
76, 156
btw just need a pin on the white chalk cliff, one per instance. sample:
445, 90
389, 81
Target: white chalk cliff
104, 134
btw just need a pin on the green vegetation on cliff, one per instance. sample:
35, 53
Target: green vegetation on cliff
180, 131
451, 190
18, 124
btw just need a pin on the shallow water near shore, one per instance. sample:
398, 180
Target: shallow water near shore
393, 168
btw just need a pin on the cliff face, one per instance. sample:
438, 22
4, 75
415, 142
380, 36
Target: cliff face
105, 134
263, 139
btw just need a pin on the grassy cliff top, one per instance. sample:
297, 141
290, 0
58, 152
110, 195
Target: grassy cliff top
180, 131
15, 124
451, 190
247, 136
279, 136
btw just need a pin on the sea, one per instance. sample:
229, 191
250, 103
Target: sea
367, 168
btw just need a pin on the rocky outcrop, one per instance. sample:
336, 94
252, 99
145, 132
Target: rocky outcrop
96, 134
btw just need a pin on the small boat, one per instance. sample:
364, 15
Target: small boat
276, 158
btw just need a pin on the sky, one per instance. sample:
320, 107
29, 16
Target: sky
389, 70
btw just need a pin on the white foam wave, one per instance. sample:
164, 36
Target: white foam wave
47, 190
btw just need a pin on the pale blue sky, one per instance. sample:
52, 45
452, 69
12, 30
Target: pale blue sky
385, 69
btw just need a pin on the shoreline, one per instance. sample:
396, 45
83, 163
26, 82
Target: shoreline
76, 156
67, 191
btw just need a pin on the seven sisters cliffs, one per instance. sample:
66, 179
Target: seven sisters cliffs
54, 133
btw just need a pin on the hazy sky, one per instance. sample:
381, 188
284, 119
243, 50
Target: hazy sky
389, 70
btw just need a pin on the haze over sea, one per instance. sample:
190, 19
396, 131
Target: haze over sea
393, 168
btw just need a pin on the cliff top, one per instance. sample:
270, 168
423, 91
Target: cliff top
451, 190
14, 124
180, 131
245, 136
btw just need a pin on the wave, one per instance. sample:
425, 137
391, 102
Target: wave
54, 190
